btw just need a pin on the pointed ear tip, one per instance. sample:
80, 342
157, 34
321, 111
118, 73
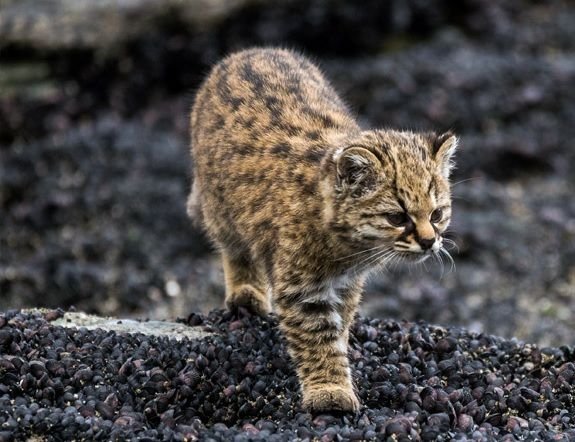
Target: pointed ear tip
446, 142
449, 138
448, 134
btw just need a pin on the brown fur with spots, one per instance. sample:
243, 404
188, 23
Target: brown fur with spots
301, 201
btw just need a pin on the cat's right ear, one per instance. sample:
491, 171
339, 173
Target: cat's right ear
443, 148
357, 171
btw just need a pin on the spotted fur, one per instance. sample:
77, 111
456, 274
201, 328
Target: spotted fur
299, 201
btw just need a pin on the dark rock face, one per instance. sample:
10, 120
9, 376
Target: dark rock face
415, 381
94, 159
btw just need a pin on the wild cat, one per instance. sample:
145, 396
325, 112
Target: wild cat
303, 203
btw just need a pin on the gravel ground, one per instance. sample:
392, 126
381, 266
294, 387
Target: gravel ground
416, 382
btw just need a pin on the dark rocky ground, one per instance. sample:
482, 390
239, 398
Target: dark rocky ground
417, 382
94, 162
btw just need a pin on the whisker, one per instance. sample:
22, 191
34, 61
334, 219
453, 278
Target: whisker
386, 258
366, 262
449, 257
421, 266
359, 253
461, 198
400, 260
451, 243
465, 180
452, 261
441, 263
376, 259
396, 259
424, 264
453, 267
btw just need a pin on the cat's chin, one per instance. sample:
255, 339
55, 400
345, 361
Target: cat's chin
414, 257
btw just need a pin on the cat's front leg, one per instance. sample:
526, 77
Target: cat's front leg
317, 331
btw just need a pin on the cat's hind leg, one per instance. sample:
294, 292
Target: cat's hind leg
245, 284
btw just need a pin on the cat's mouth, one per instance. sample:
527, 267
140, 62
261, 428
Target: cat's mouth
415, 256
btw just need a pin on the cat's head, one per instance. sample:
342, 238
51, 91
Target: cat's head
389, 191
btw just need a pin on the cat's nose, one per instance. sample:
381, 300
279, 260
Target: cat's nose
426, 243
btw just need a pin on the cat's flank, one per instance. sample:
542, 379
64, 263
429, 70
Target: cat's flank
302, 203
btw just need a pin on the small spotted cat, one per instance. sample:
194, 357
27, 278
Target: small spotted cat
302, 204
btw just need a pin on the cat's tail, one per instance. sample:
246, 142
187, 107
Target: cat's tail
194, 207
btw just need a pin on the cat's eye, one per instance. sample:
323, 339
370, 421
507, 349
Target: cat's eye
436, 215
397, 219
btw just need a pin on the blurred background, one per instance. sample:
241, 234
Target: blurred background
94, 163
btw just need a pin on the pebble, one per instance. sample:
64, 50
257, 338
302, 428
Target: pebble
142, 388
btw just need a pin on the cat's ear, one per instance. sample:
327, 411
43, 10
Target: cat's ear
358, 170
443, 148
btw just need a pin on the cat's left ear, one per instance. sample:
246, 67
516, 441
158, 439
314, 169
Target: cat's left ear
358, 170
443, 148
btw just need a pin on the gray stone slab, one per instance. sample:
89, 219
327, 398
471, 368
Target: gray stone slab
172, 330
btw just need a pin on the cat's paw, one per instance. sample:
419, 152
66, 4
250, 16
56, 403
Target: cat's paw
330, 398
249, 297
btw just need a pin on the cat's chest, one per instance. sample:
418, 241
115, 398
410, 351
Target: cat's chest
340, 282
330, 291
